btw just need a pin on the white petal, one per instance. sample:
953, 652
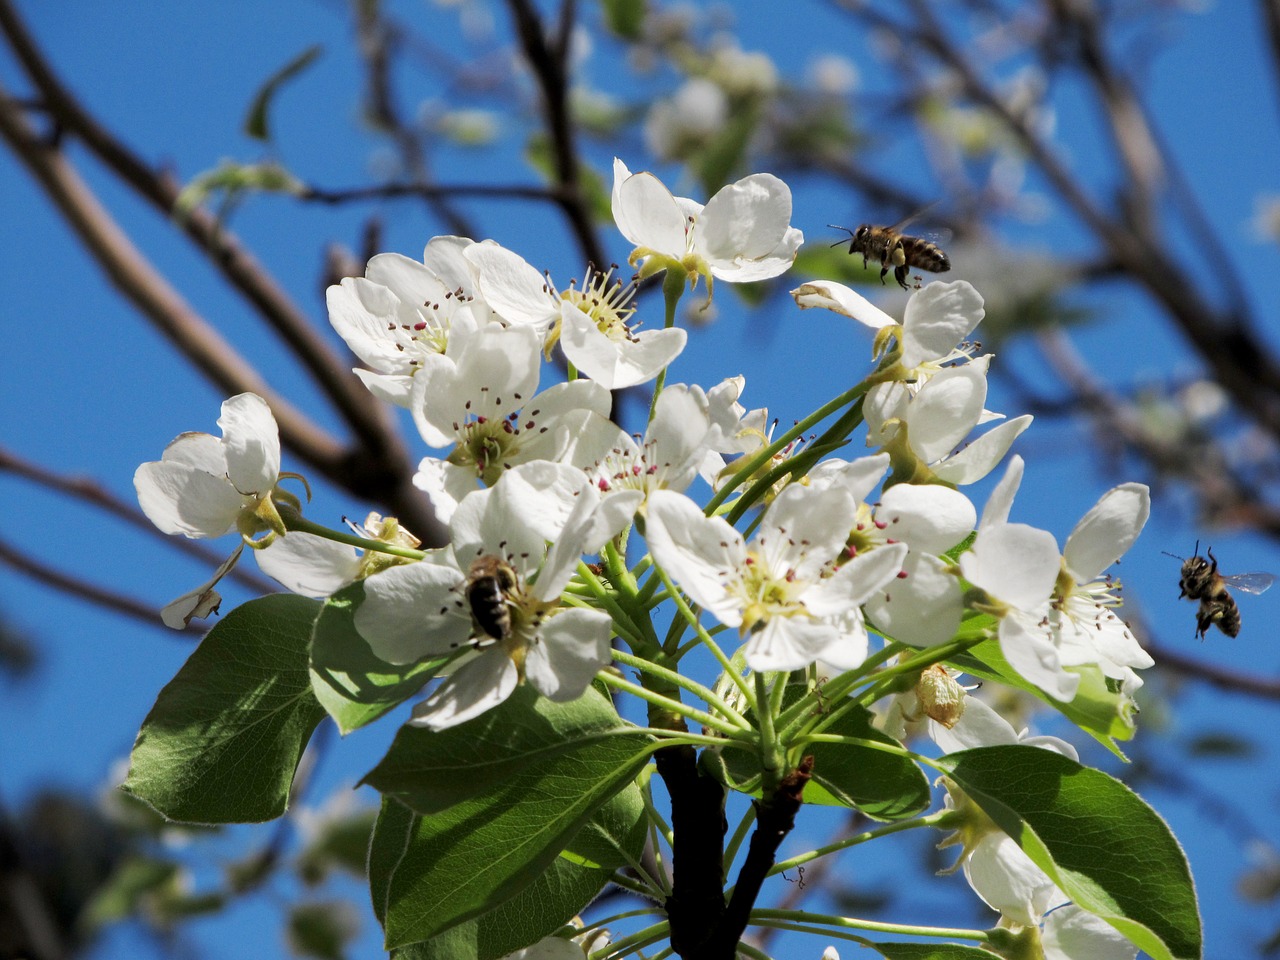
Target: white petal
842, 300
475, 687
200, 602
979, 726
251, 441
574, 647
620, 363
857, 581
1107, 531
777, 262
593, 522
181, 499
445, 256
859, 477
309, 565
789, 643
647, 214
1072, 934
923, 608
884, 402
938, 317
409, 280
699, 553
512, 287
200, 450
996, 510
981, 456
392, 388
412, 611
944, 411
927, 517
804, 529
367, 316
538, 496
680, 424
1015, 563
1031, 652
1008, 881
744, 220
445, 485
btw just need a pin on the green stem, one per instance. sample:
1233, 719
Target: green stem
739, 834
849, 923
295, 521
698, 690
671, 706
672, 291
637, 941
930, 821
772, 758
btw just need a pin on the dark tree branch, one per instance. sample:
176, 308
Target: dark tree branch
698, 827
775, 818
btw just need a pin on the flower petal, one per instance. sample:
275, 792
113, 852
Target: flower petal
923, 608
698, 552
937, 318
574, 647
306, 564
624, 362
745, 220
179, 498
1014, 562
941, 415
512, 287
981, 456
1031, 652
843, 300
857, 581
646, 213
412, 611
473, 688
251, 441
790, 643
1107, 531
927, 517
996, 510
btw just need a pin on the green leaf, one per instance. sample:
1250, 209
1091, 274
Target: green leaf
625, 17
1099, 708
503, 794
928, 951
352, 684
255, 122
225, 735
1093, 836
546, 904
882, 785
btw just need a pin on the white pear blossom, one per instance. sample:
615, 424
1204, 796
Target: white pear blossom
1073, 934
483, 402
401, 311
743, 233
418, 610
786, 591
687, 120
1081, 621
592, 325
203, 487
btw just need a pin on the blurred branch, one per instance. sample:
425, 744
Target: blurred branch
89, 491
1271, 21
548, 60
1226, 339
22, 562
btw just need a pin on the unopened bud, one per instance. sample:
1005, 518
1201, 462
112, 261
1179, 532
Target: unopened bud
830, 954
941, 698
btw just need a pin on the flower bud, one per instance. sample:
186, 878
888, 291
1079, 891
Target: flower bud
941, 697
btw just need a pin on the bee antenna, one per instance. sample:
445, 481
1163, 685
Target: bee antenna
845, 229
1197, 553
1174, 555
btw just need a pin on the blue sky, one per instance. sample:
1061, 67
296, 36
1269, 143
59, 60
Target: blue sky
92, 390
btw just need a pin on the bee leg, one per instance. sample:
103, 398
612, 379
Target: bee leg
900, 274
883, 270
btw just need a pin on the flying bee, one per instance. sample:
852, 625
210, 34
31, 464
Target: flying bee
895, 249
1201, 581
489, 581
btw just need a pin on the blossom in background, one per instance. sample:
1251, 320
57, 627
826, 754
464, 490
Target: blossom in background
483, 402
792, 599
205, 486
402, 311
743, 233
417, 610
592, 324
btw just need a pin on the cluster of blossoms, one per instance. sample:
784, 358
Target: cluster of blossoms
533, 482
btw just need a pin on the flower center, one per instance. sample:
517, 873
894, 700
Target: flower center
608, 302
486, 445
766, 594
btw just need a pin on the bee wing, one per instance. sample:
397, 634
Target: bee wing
1251, 582
906, 221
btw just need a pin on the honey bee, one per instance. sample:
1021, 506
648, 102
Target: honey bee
895, 249
489, 581
1201, 581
